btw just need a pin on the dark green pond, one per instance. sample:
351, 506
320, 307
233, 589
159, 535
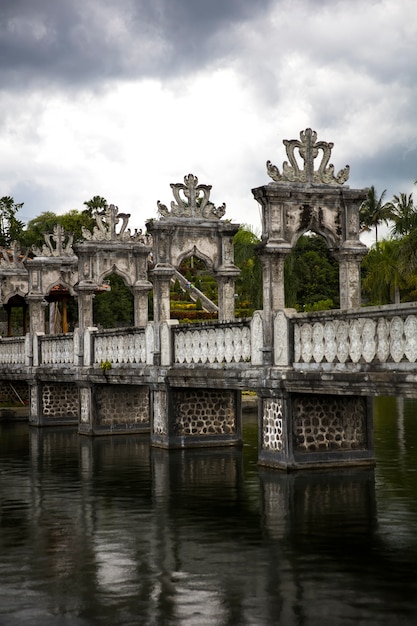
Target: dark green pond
108, 531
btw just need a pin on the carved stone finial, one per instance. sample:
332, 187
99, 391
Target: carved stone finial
308, 148
58, 243
195, 202
12, 257
105, 230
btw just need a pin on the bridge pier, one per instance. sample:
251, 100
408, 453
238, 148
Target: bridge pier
314, 430
53, 403
195, 417
113, 409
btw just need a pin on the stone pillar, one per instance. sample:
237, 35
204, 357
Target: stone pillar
350, 259
273, 261
85, 307
37, 306
85, 423
162, 275
226, 297
140, 303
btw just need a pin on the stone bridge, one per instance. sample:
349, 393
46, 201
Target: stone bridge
313, 373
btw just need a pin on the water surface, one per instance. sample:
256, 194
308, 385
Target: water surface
108, 530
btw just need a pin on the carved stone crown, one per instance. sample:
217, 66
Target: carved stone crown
58, 244
308, 148
12, 257
195, 202
105, 230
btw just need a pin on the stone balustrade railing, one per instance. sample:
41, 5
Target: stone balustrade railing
56, 349
120, 347
13, 351
228, 342
375, 335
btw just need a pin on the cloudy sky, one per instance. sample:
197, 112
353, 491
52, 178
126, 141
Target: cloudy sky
120, 98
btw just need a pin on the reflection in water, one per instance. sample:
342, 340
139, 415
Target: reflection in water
107, 530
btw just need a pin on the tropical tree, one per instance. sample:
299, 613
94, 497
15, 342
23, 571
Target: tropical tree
249, 283
383, 274
96, 203
311, 275
114, 309
37, 227
374, 211
10, 226
404, 214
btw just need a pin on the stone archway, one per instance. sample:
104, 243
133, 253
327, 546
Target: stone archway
300, 199
194, 226
112, 248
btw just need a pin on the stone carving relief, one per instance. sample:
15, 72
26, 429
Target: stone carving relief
107, 221
13, 257
191, 201
57, 244
308, 149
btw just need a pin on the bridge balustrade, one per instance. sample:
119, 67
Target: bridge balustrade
232, 342
119, 347
385, 337
56, 349
13, 351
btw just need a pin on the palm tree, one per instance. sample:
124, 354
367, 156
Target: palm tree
374, 212
384, 276
95, 204
404, 214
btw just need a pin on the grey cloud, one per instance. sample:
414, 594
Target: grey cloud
83, 41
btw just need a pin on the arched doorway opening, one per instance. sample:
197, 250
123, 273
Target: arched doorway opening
194, 291
113, 305
61, 315
16, 320
311, 275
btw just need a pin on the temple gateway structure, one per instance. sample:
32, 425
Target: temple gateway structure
312, 373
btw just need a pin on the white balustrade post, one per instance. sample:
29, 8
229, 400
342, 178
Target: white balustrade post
88, 351
36, 349
166, 341
257, 338
150, 343
28, 349
282, 330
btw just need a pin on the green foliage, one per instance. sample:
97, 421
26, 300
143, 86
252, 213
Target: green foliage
311, 275
404, 214
97, 203
249, 284
114, 309
10, 226
73, 221
383, 278
374, 211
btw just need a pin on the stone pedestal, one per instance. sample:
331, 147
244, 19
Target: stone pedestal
190, 418
53, 403
299, 431
113, 409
